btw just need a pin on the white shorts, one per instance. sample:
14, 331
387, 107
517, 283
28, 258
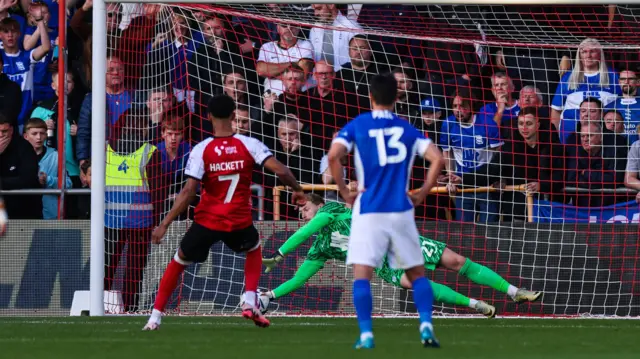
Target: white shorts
374, 235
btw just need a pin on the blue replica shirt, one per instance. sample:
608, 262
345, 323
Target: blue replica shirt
117, 105
568, 101
179, 56
509, 115
41, 73
19, 68
175, 166
470, 144
384, 147
629, 108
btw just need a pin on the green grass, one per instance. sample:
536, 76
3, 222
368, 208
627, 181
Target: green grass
307, 338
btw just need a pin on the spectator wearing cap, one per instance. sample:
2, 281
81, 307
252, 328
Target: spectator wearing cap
431, 114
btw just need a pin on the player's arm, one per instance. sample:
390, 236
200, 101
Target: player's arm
182, 202
286, 177
430, 152
305, 232
308, 269
45, 43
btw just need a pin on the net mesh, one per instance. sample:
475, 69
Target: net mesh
299, 73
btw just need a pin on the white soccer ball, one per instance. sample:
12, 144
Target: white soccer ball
263, 303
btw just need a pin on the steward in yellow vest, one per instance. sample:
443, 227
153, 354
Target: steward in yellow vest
133, 185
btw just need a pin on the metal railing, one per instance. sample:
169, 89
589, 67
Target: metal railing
439, 189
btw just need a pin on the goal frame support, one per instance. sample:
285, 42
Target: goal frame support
98, 121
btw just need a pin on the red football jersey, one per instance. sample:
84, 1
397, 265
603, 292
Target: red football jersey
224, 166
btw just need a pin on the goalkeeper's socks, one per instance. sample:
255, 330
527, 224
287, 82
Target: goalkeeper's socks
363, 302
252, 268
480, 274
423, 297
168, 283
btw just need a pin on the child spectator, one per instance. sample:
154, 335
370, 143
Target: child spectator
17, 63
41, 80
35, 131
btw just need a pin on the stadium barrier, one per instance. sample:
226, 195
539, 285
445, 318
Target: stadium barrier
441, 189
582, 271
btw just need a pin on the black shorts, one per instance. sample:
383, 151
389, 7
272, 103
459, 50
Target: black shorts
198, 240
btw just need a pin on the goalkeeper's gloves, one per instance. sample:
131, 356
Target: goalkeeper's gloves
272, 262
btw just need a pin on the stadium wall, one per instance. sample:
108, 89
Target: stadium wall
581, 271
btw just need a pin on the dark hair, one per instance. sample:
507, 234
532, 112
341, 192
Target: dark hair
242, 107
4, 120
529, 110
84, 167
34, 122
466, 96
384, 89
221, 107
592, 100
618, 114
294, 68
9, 24
314, 198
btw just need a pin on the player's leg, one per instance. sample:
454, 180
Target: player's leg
247, 240
482, 275
194, 247
137, 252
307, 270
405, 253
368, 243
444, 294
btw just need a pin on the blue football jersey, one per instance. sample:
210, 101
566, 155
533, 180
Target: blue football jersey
568, 101
629, 108
384, 147
470, 144
19, 68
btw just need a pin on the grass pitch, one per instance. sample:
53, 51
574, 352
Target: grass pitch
326, 338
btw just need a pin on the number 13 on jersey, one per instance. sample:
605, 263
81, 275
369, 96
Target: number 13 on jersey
389, 138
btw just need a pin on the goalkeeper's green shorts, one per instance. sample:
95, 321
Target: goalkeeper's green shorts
432, 252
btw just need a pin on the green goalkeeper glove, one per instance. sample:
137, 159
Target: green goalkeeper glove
272, 262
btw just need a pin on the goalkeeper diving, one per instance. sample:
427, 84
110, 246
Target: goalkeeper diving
332, 222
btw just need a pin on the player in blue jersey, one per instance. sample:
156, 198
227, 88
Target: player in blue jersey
628, 105
18, 65
383, 222
590, 77
471, 145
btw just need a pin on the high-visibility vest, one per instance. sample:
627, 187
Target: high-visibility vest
127, 197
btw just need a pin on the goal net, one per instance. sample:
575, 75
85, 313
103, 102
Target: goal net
534, 107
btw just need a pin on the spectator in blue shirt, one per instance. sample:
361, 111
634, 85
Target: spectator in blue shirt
471, 146
590, 77
118, 97
628, 105
17, 63
504, 112
174, 151
41, 77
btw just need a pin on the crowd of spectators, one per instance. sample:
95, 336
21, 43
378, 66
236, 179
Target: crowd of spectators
502, 115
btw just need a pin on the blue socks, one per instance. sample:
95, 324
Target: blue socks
363, 302
423, 297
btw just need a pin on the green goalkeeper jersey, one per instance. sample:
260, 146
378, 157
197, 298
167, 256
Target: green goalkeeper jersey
332, 223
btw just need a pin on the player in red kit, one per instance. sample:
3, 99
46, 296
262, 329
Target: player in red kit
223, 164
